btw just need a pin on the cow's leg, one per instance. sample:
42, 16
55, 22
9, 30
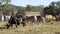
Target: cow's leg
16, 25
11, 25
24, 24
57, 19
7, 26
39, 20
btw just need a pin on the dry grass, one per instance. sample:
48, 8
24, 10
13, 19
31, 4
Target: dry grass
34, 28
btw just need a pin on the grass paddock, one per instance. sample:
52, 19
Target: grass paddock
33, 28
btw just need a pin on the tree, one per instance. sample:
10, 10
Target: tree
1, 2
7, 3
51, 9
58, 6
6, 8
29, 8
21, 12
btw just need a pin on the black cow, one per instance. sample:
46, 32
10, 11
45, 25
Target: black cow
12, 21
39, 18
15, 20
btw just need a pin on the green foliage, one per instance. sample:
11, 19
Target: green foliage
53, 8
21, 12
6, 8
29, 8
34, 8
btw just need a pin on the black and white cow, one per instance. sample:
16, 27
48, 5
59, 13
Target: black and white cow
15, 20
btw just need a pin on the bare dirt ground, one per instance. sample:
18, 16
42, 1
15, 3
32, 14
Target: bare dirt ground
32, 28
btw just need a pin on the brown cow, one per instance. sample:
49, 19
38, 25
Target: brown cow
57, 18
30, 18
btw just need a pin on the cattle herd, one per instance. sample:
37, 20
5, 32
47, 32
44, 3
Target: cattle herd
19, 19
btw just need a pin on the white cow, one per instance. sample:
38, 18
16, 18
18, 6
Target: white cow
2, 18
8, 17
